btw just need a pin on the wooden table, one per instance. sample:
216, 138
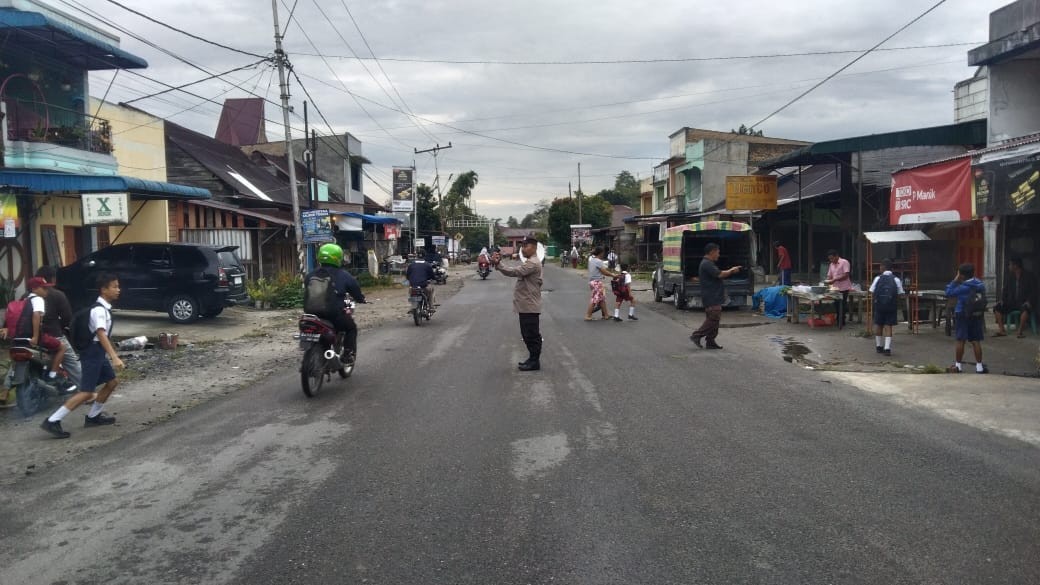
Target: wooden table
812, 299
938, 307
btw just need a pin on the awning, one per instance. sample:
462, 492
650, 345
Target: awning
963, 134
367, 218
896, 236
41, 34
935, 193
273, 219
39, 183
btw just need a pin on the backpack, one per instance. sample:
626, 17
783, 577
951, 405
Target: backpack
80, 335
976, 308
617, 283
13, 316
886, 294
319, 296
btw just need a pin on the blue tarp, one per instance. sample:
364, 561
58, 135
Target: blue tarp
775, 303
47, 183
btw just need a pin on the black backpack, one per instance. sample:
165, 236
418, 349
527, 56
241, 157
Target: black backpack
319, 296
886, 294
80, 335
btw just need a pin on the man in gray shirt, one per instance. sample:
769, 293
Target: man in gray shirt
527, 299
713, 295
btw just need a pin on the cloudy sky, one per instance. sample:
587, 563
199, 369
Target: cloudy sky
464, 69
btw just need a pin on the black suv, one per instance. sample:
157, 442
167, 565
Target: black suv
187, 281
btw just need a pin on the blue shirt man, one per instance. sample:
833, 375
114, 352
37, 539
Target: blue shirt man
963, 287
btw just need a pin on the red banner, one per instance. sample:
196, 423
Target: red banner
390, 231
934, 193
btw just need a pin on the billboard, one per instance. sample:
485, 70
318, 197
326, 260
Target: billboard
581, 234
1005, 182
404, 189
316, 226
931, 194
751, 193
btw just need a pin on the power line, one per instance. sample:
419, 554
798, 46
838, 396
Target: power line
849, 64
189, 84
652, 60
383, 71
184, 32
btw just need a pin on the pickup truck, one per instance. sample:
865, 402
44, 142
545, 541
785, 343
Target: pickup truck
678, 275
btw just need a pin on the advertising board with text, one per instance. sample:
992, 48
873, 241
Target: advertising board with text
748, 193
316, 226
404, 189
106, 208
1005, 182
931, 194
581, 234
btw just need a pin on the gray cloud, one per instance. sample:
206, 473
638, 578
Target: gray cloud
883, 92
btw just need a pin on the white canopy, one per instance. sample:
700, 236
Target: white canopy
896, 236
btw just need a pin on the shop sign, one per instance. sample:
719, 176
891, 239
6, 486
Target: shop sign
106, 208
390, 231
1005, 182
440, 240
749, 193
404, 189
316, 226
9, 214
933, 193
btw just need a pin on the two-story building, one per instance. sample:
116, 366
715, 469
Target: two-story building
59, 179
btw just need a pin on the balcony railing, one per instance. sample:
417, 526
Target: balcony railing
33, 121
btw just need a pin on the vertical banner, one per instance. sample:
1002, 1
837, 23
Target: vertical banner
404, 189
9, 214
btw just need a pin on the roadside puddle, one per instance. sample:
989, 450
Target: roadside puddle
793, 352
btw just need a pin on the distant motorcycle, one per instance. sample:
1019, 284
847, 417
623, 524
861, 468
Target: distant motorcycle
28, 376
323, 352
420, 301
483, 267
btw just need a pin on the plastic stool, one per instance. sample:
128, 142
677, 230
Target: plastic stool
1015, 317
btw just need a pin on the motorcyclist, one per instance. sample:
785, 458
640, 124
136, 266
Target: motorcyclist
432, 256
330, 260
420, 273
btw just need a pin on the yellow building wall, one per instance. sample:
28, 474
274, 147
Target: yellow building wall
59, 212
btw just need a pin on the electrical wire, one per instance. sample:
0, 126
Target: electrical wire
191, 83
653, 60
849, 64
184, 32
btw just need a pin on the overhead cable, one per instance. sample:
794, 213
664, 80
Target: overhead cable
184, 32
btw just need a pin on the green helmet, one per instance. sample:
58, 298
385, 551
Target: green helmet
330, 255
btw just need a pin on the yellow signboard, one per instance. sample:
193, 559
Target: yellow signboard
751, 192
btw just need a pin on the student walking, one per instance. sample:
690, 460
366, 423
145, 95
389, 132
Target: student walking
99, 361
886, 289
622, 286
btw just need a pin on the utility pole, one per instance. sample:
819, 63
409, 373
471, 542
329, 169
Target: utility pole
437, 175
283, 85
580, 194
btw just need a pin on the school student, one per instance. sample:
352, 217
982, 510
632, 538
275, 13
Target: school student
622, 285
99, 361
886, 289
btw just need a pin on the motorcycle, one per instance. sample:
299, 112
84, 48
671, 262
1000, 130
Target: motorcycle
28, 376
483, 267
420, 301
440, 274
322, 348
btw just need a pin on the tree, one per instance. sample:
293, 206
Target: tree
746, 131
455, 202
539, 218
512, 222
426, 209
564, 212
627, 187
613, 197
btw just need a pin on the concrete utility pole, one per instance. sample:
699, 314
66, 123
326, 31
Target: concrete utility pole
580, 194
437, 178
283, 84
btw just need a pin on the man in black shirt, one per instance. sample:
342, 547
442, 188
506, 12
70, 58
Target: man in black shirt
420, 273
713, 294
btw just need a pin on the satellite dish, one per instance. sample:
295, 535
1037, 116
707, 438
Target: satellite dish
541, 252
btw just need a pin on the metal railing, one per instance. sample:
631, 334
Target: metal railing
34, 121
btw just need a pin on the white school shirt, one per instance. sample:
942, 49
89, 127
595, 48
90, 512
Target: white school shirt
38, 304
899, 283
101, 318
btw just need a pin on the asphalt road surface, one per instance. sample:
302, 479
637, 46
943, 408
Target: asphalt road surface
632, 457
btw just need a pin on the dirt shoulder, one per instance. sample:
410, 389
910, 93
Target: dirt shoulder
214, 358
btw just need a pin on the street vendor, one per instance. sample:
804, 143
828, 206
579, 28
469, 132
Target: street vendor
839, 277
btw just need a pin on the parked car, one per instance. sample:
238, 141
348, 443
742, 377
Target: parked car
187, 281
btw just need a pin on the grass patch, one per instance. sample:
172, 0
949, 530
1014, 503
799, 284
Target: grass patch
932, 369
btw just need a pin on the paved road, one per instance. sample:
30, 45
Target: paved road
630, 458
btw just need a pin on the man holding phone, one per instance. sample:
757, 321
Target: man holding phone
713, 294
